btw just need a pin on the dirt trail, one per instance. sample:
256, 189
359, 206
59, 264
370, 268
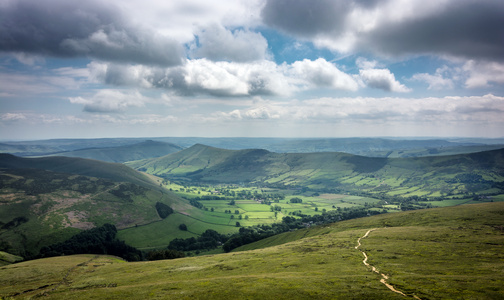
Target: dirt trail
384, 277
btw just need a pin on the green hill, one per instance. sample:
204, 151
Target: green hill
39, 207
464, 174
143, 150
80, 166
444, 253
46, 200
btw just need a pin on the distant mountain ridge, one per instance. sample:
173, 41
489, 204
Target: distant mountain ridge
366, 146
119, 154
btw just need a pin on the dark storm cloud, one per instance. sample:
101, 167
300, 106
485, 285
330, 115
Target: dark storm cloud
462, 28
81, 28
219, 44
305, 18
470, 29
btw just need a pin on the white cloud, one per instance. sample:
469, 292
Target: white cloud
110, 101
483, 74
222, 78
382, 79
11, 117
475, 110
438, 81
364, 63
321, 73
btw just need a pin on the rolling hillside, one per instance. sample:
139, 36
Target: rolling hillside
445, 253
480, 172
143, 150
46, 200
80, 166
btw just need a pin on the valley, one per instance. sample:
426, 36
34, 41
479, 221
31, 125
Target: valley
234, 212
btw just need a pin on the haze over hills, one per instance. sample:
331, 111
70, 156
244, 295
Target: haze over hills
376, 147
119, 154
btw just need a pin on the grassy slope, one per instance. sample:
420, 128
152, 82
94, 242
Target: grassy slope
58, 205
81, 166
441, 253
192, 159
426, 176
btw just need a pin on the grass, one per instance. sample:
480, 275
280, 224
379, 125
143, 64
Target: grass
443, 253
7, 258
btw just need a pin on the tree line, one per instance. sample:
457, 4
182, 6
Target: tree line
99, 240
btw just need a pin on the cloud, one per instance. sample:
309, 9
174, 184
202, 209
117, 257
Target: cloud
436, 81
12, 117
19, 84
460, 28
82, 28
226, 79
306, 18
475, 110
467, 28
218, 43
483, 73
110, 101
321, 73
382, 79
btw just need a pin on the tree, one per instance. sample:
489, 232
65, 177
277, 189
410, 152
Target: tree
238, 224
183, 227
163, 210
164, 254
296, 200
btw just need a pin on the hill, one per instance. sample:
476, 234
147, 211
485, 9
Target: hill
46, 200
80, 166
46, 147
143, 150
340, 172
443, 253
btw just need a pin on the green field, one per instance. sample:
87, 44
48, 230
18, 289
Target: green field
443, 253
252, 211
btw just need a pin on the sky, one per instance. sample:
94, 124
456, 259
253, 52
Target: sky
251, 68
